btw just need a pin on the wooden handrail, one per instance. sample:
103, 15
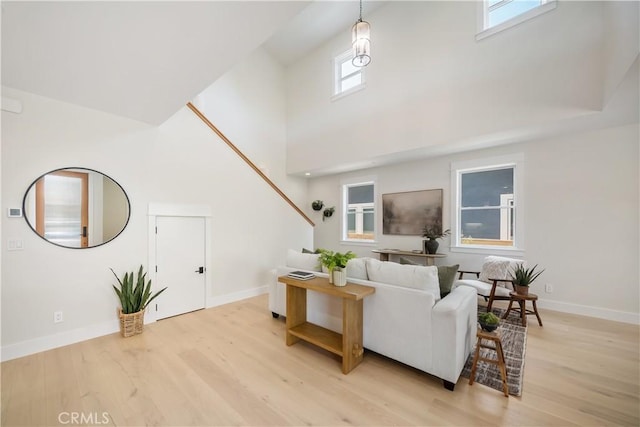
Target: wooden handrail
249, 162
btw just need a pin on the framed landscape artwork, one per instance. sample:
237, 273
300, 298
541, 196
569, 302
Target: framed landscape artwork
409, 212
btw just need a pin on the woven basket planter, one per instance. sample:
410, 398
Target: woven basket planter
131, 324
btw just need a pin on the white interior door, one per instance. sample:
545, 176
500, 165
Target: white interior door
180, 261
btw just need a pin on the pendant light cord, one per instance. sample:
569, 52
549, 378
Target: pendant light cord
360, 10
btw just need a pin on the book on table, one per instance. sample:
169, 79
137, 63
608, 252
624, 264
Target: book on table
301, 275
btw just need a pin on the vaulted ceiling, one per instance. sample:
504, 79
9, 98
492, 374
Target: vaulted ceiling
142, 60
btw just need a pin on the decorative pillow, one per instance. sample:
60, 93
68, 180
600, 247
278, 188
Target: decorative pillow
446, 277
409, 276
310, 262
306, 251
357, 268
496, 267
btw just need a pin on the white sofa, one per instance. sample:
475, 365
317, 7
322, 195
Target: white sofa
413, 326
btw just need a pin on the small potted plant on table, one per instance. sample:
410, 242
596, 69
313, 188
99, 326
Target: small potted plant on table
336, 262
134, 297
488, 321
431, 233
523, 277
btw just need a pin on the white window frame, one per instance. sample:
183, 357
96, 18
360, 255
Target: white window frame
457, 169
484, 31
344, 207
338, 60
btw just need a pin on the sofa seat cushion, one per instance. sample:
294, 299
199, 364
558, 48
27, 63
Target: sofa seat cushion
409, 276
483, 288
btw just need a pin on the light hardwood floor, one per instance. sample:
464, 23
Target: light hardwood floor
229, 366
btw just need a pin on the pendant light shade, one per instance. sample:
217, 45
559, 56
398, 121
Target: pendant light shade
361, 42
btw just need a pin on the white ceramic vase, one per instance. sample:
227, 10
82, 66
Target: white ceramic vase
339, 276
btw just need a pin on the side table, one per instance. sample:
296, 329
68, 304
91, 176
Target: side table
497, 347
521, 300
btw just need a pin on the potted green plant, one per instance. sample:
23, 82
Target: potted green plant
134, 297
431, 233
488, 321
523, 277
316, 205
335, 262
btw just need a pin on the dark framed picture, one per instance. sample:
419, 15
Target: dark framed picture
410, 212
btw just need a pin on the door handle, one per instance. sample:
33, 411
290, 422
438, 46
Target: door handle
200, 270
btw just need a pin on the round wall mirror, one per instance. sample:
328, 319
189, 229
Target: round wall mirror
76, 208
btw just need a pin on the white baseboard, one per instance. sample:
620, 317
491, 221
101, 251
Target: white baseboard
585, 310
236, 296
36, 345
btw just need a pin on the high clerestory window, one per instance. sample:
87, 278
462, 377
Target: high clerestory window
497, 15
347, 77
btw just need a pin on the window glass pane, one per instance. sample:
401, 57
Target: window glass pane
351, 221
510, 10
487, 226
63, 210
361, 194
352, 81
368, 221
485, 188
347, 68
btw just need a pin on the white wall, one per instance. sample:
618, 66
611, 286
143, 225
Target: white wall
431, 86
581, 216
179, 162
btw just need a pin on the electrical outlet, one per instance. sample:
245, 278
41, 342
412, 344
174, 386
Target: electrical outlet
548, 288
57, 317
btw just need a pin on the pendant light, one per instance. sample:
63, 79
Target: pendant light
360, 41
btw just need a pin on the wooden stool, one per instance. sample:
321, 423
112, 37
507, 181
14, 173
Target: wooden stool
497, 347
522, 309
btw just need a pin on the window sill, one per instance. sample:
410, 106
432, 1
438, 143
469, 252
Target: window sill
516, 20
359, 242
348, 92
488, 250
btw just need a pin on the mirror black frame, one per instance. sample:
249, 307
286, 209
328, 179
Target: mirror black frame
26, 193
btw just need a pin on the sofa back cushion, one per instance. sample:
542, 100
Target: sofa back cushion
410, 276
496, 267
357, 269
309, 262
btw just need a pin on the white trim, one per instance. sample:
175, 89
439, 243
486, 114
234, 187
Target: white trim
48, 342
217, 300
590, 311
173, 209
488, 250
359, 242
483, 32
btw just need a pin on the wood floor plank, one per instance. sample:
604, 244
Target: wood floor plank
229, 365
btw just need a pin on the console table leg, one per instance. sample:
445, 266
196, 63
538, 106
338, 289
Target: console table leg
352, 349
296, 310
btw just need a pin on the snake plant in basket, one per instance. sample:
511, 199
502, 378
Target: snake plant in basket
134, 297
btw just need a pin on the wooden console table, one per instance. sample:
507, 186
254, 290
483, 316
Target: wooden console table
347, 345
428, 258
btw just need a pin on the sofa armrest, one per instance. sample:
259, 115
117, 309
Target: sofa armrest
454, 320
397, 324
